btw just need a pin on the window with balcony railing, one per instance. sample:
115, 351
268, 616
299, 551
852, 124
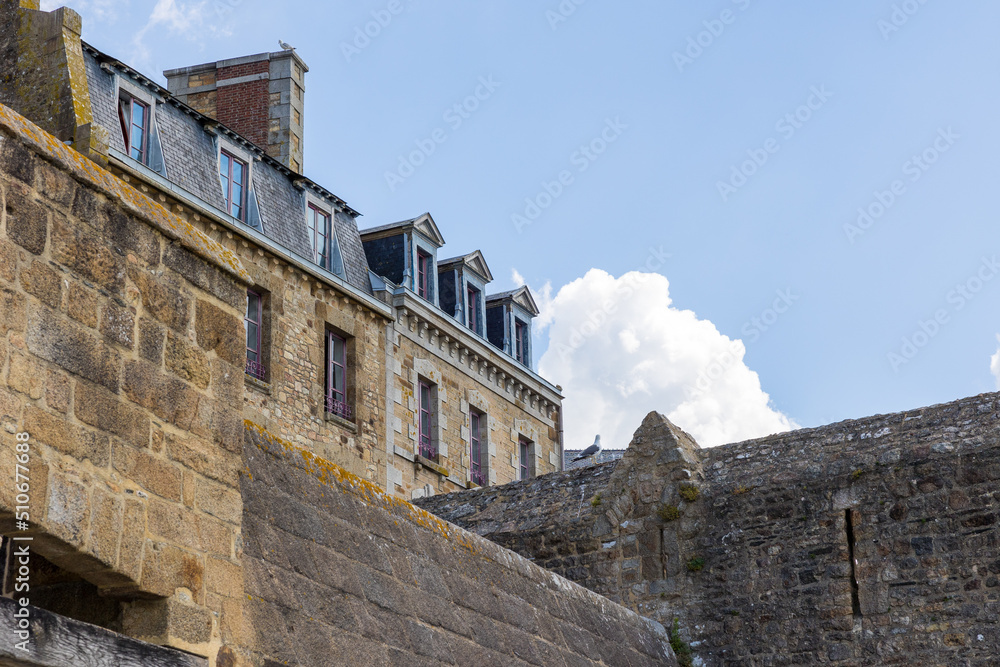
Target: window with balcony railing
336, 377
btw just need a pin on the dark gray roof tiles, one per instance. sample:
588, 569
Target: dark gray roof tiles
102, 101
282, 209
355, 262
190, 155
391, 225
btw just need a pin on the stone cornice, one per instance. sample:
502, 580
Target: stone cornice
463, 348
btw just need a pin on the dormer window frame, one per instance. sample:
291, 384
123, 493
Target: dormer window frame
314, 206
130, 97
473, 303
228, 163
425, 263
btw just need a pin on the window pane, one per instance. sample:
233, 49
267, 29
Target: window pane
338, 349
338, 382
252, 335
253, 306
237, 172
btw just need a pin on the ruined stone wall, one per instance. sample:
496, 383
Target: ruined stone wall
126, 374
872, 541
461, 386
340, 573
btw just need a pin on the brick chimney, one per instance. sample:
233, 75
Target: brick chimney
259, 96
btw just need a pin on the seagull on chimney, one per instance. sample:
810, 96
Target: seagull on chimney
591, 452
285, 46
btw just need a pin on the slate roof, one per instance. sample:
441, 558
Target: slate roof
190, 155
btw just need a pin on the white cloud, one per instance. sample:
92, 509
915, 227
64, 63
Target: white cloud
190, 20
620, 349
995, 363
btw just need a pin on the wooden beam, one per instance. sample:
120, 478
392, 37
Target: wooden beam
57, 641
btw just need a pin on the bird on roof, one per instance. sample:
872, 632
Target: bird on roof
590, 452
285, 46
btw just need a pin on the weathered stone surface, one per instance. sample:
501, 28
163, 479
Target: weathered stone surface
157, 476
809, 547
109, 413
70, 346
161, 300
25, 376
221, 332
83, 304
168, 398
54, 431
206, 276
151, 337
166, 568
86, 254
361, 588
13, 314
187, 361
118, 323
42, 282
27, 222
8, 261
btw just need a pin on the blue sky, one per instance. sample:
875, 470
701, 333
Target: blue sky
740, 138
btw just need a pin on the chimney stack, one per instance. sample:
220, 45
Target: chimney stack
259, 96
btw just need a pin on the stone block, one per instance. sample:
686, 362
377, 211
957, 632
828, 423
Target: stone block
175, 621
68, 509
188, 528
8, 261
220, 332
118, 323
83, 304
224, 577
205, 458
166, 568
186, 361
13, 314
55, 184
168, 398
206, 276
157, 476
127, 235
151, 337
27, 222
42, 282
218, 500
133, 539
58, 390
110, 413
18, 161
105, 526
70, 346
56, 432
87, 254
228, 383
25, 376
161, 300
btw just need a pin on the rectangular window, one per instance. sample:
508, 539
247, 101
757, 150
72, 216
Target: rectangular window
521, 341
254, 326
233, 173
423, 274
336, 376
472, 308
319, 236
477, 445
428, 448
525, 454
134, 117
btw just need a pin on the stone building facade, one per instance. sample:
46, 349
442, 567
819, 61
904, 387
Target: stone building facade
155, 525
336, 352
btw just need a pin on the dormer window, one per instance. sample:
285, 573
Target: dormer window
134, 117
424, 268
472, 308
521, 341
318, 223
233, 173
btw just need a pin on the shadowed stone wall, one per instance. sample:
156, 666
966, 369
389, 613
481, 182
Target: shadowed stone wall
872, 541
340, 573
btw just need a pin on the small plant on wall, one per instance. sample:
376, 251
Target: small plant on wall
688, 492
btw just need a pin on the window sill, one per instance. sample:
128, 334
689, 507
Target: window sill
259, 385
341, 422
419, 460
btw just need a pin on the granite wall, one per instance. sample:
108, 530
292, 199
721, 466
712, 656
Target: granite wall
871, 541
